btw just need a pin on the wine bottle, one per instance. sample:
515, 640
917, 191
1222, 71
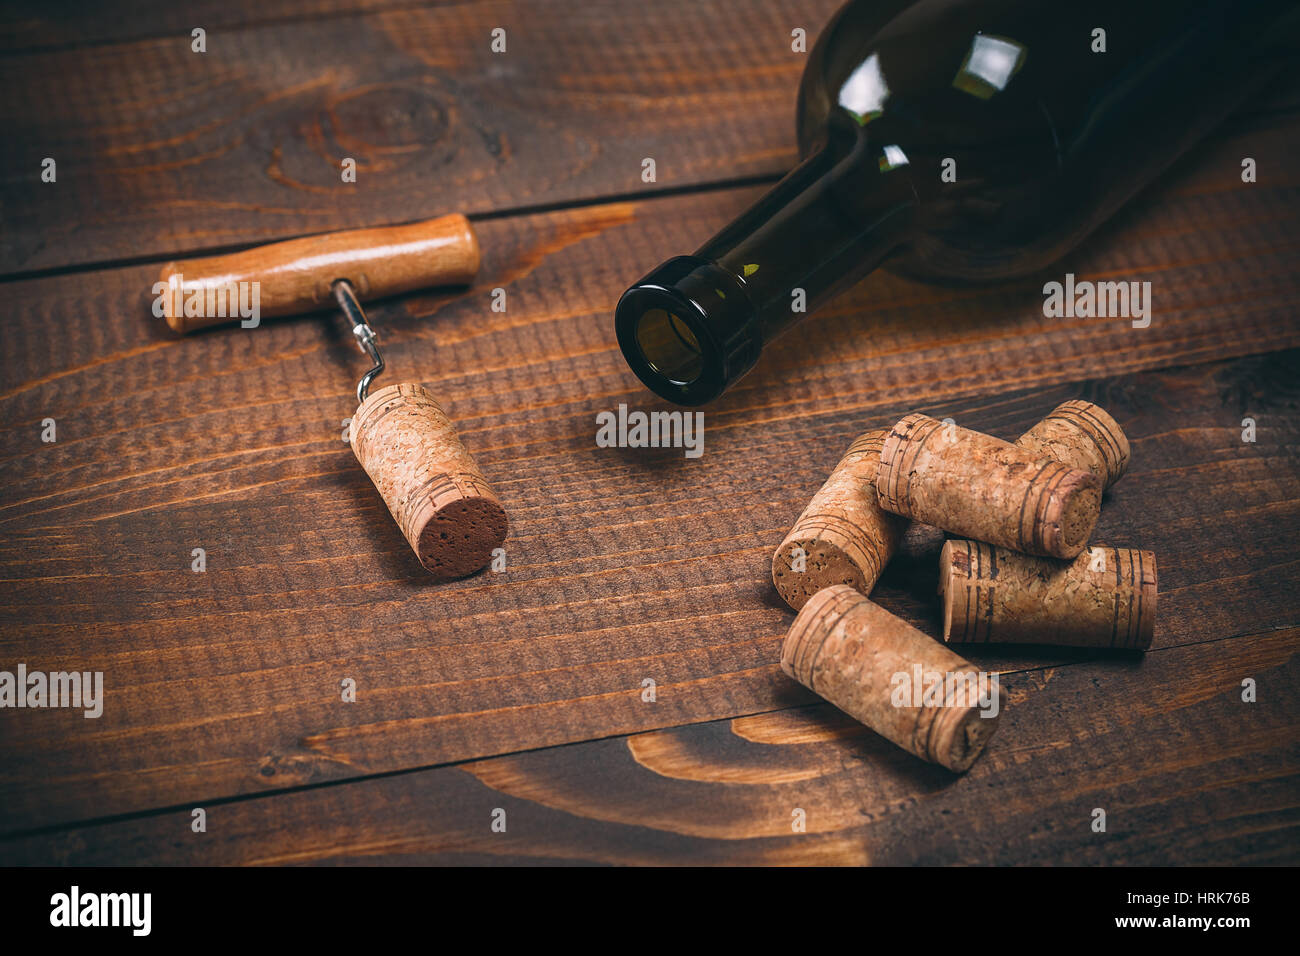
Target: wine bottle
954, 140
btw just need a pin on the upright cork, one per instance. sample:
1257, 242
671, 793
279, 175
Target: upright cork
1106, 597
435, 491
1083, 436
843, 536
888, 675
978, 486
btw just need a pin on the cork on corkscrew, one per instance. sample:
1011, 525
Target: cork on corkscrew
403, 439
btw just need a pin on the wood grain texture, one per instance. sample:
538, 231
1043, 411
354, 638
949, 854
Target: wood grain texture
1186, 772
620, 567
28, 25
223, 687
164, 151
227, 682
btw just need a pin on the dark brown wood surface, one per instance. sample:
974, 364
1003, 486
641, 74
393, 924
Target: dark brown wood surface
163, 151
523, 690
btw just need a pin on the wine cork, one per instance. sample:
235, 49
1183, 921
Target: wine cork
981, 487
843, 536
876, 667
1083, 436
1106, 597
435, 491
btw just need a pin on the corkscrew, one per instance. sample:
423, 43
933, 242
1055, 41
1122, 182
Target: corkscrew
403, 439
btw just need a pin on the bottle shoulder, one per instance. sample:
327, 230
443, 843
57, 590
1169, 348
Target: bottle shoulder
977, 106
965, 72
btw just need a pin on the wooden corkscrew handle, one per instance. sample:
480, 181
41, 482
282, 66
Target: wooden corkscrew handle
296, 275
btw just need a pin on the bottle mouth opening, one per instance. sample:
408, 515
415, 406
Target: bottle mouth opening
687, 330
669, 346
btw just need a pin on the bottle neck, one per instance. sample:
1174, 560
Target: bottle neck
827, 224
696, 324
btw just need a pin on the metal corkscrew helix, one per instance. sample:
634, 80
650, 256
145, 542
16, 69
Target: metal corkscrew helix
362, 330
400, 434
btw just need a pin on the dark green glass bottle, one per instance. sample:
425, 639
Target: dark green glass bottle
958, 140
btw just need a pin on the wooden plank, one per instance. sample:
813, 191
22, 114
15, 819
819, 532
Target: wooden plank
223, 687
27, 25
1220, 255
621, 568
1186, 772
162, 151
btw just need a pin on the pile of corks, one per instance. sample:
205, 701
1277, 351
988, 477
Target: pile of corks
1016, 568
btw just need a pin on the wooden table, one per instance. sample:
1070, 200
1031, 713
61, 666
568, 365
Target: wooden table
524, 691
